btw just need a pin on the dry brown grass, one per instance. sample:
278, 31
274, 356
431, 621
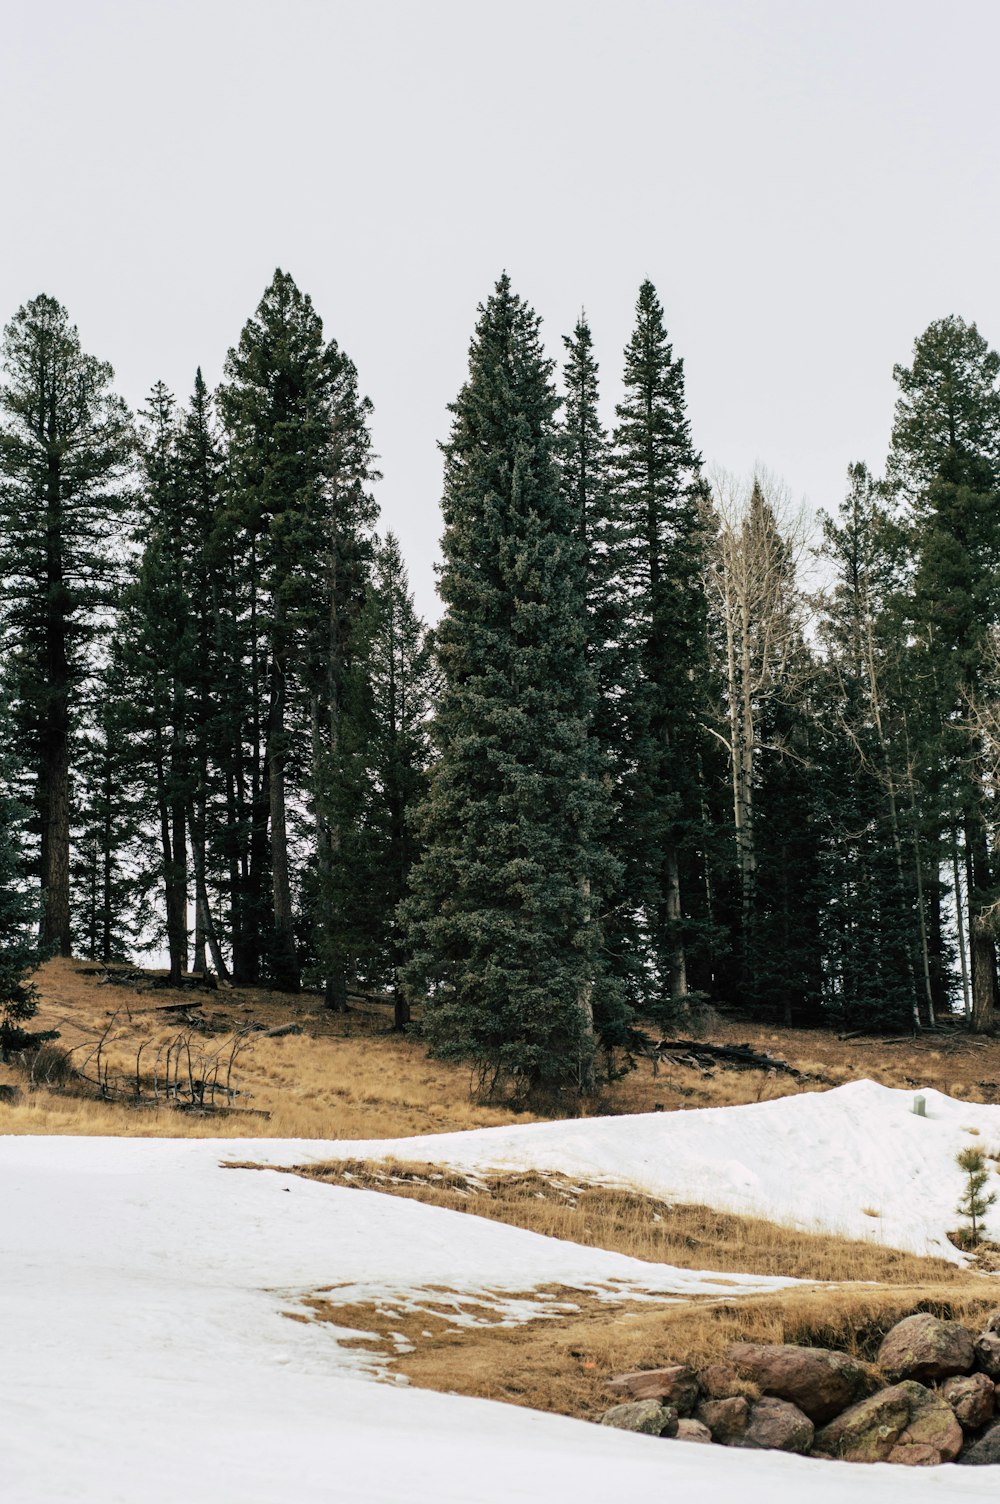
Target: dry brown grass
563, 1362
626, 1221
343, 1077
351, 1077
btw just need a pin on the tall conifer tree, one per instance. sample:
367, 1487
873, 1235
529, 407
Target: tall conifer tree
660, 510
65, 449
297, 513
945, 464
502, 921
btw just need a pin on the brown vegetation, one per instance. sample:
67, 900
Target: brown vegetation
626, 1221
349, 1076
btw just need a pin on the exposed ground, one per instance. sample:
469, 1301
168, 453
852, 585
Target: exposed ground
561, 1362
351, 1077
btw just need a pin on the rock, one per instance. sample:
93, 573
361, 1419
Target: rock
779, 1426
693, 1430
932, 1424
726, 1419
972, 1397
993, 1324
915, 1456
922, 1347
983, 1451
719, 1381
820, 1382
893, 1421
676, 1385
282, 1030
987, 1352
648, 1417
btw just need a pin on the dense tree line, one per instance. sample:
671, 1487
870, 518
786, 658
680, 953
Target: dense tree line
638, 765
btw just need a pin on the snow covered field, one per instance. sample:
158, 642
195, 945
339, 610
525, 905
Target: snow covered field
145, 1356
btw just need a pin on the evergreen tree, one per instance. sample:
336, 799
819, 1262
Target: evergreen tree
661, 553
155, 642
337, 678
391, 751
109, 805
294, 524
873, 955
503, 918
588, 488
19, 954
65, 448
213, 614
945, 466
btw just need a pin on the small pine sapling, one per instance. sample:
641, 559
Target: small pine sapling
975, 1203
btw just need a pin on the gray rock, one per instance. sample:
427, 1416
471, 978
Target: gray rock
885, 1426
648, 1417
984, 1451
987, 1351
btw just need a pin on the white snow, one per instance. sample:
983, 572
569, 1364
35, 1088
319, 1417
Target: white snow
145, 1356
822, 1161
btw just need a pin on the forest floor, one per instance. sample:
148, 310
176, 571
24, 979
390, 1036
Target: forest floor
349, 1077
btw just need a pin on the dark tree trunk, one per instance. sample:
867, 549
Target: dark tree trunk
54, 767
982, 947
284, 960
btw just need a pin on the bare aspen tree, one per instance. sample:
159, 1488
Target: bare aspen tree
760, 611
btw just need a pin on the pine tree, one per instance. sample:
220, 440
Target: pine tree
661, 542
945, 467
336, 674
389, 747
874, 959
976, 1200
19, 953
213, 613
156, 647
65, 449
294, 525
502, 922
587, 482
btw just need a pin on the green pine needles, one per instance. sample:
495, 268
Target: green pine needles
975, 1203
503, 917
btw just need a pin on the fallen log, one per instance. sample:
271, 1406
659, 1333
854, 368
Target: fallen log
740, 1057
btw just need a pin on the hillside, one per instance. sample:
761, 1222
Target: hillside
349, 1076
190, 1329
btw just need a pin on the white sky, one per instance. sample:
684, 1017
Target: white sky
808, 183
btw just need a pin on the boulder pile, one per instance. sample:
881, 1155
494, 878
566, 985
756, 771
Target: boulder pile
931, 1396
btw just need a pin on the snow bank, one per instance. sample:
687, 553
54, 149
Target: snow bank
145, 1355
820, 1161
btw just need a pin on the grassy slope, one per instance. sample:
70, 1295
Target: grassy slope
352, 1078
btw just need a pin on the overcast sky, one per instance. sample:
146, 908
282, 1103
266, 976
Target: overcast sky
807, 182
